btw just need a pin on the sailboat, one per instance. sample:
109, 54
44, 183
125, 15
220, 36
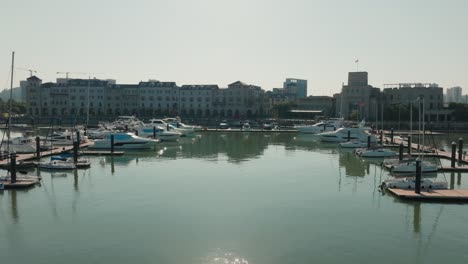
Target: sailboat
6, 181
409, 166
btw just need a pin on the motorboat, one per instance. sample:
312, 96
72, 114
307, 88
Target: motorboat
54, 164
376, 153
64, 138
329, 125
246, 126
21, 178
410, 167
410, 183
125, 140
22, 144
353, 144
80, 162
161, 133
341, 135
223, 125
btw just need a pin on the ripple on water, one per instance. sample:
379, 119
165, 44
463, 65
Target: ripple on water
220, 256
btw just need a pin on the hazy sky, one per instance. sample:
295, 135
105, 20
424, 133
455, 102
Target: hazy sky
221, 41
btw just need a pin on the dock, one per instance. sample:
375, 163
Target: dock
102, 153
230, 130
456, 196
54, 151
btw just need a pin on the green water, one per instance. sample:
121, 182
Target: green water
228, 198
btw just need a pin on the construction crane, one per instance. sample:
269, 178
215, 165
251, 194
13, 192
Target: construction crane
67, 73
29, 70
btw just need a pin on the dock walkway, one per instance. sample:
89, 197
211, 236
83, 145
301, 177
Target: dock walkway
434, 195
54, 151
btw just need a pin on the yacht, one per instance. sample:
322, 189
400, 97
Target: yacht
410, 167
376, 153
56, 164
161, 133
341, 135
22, 144
124, 141
353, 144
330, 125
410, 183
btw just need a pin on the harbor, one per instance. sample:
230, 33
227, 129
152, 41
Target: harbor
217, 182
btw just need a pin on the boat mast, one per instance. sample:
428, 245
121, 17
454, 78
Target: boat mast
11, 98
423, 127
87, 107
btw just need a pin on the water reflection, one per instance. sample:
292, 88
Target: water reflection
220, 256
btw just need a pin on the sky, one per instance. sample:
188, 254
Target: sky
260, 42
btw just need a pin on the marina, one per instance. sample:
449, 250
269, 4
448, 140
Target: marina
217, 182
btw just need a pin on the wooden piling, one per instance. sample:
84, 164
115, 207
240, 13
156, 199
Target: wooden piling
454, 151
368, 141
417, 186
154, 132
76, 145
391, 136
13, 168
349, 135
381, 137
38, 147
460, 149
112, 143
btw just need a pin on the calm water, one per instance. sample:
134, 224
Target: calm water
229, 198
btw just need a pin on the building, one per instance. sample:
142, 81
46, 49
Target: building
324, 104
358, 99
72, 97
454, 95
296, 87
406, 93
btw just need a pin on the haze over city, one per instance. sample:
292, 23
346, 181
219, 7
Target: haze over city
218, 42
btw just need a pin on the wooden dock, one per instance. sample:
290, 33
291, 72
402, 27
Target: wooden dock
232, 130
19, 184
457, 196
102, 153
54, 151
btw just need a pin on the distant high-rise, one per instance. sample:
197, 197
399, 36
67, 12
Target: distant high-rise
454, 95
296, 86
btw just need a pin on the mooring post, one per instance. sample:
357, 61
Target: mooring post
78, 137
391, 136
452, 180
381, 137
38, 147
85, 133
136, 132
368, 141
112, 143
417, 186
460, 149
454, 151
349, 135
400, 156
76, 145
409, 144
126, 128
167, 127
13, 167
154, 132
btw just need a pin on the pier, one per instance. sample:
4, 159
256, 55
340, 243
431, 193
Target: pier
458, 196
54, 151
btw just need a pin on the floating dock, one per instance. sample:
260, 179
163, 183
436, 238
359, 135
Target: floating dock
457, 196
250, 130
54, 151
102, 153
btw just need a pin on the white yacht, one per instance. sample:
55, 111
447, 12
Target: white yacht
341, 135
329, 125
124, 141
353, 144
410, 167
64, 138
56, 164
22, 144
161, 133
376, 153
410, 183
